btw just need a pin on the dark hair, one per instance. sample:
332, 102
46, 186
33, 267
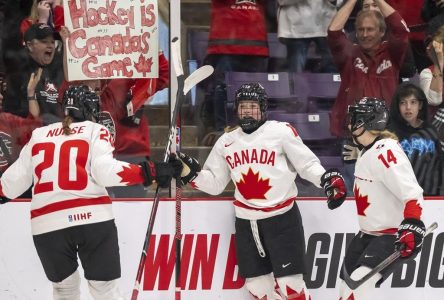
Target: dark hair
404, 90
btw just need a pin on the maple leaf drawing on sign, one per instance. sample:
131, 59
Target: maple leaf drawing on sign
361, 202
130, 174
253, 187
143, 65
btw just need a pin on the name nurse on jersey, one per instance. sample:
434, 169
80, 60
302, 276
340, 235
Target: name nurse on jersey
251, 156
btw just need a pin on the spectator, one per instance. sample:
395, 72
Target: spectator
370, 68
237, 42
418, 138
408, 67
431, 9
269, 236
49, 12
33, 88
431, 78
301, 23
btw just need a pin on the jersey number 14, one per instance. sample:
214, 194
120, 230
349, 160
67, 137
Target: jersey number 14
387, 160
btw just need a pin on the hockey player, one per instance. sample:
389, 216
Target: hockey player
70, 163
388, 199
262, 158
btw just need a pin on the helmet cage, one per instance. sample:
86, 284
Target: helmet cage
370, 113
251, 92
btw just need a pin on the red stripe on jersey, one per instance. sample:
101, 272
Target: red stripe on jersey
293, 129
1, 190
412, 210
61, 205
279, 206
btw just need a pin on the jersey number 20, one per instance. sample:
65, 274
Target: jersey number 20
80, 147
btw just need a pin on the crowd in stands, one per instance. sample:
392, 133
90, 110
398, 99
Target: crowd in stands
372, 44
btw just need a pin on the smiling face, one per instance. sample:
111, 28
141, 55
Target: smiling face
249, 109
42, 51
409, 108
368, 33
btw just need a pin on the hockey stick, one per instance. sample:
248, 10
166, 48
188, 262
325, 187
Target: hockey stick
354, 284
197, 77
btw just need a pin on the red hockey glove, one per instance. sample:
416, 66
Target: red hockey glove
409, 237
191, 168
334, 187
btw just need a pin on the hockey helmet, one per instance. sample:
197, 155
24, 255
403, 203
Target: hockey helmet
370, 113
81, 103
251, 92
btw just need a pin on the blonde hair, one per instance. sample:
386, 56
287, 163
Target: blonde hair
439, 35
67, 121
385, 134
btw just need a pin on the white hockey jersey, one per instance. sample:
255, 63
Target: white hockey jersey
69, 173
263, 166
384, 183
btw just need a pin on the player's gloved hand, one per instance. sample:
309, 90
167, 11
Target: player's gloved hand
350, 153
191, 168
334, 187
161, 172
409, 237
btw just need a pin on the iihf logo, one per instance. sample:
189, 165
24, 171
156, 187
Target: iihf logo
79, 217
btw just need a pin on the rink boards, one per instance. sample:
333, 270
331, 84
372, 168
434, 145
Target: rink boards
209, 269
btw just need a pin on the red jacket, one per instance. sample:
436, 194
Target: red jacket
411, 13
238, 29
59, 20
132, 141
365, 76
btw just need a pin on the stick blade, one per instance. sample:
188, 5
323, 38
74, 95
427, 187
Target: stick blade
196, 77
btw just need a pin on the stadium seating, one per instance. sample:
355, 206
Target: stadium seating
321, 89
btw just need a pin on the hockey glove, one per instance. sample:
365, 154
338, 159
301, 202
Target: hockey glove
350, 153
334, 187
191, 168
161, 172
409, 237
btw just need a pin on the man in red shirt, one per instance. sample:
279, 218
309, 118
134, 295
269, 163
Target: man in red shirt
371, 67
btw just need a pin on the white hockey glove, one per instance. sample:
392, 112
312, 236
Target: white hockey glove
350, 153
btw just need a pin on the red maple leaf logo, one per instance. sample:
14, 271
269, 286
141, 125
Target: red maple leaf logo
361, 202
351, 297
292, 294
131, 174
253, 187
143, 65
